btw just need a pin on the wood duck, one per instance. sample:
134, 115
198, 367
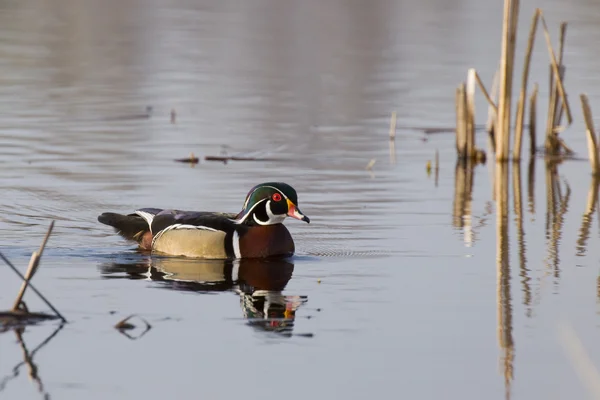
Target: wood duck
255, 232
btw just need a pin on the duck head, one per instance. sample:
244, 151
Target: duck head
270, 203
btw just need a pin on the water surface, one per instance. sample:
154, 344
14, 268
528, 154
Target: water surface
397, 288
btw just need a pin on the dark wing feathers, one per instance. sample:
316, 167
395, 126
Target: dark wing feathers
218, 221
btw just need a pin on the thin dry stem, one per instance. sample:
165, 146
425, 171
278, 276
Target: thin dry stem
393, 126
521, 102
471, 83
34, 263
493, 109
556, 70
591, 135
533, 119
461, 126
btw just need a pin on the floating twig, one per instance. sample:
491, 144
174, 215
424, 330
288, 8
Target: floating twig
192, 159
124, 325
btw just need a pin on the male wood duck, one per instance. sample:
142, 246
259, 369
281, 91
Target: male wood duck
255, 232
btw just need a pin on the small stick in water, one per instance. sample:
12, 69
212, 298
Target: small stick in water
33, 265
369, 166
393, 126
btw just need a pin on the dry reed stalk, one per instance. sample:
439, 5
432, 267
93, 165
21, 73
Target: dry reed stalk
461, 125
555, 69
591, 135
370, 164
491, 123
552, 130
485, 93
521, 102
533, 119
34, 263
509, 34
558, 112
393, 126
471, 83
29, 284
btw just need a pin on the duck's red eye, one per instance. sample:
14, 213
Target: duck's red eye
276, 197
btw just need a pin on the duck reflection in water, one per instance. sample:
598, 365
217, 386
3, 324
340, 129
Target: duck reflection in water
258, 282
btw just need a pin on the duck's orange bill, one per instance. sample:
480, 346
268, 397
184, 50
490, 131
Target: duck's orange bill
294, 212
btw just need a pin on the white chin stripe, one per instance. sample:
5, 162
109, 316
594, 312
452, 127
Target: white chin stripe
236, 245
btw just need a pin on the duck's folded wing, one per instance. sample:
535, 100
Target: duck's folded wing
175, 219
195, 234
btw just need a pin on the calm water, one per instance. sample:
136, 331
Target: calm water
395, 290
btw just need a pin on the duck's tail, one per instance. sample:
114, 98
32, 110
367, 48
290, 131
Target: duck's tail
131, 227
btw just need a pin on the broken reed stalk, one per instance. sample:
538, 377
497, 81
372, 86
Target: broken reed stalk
465, 117
552, 130
29, 284
521, 102
393, 126
509, 26
591, 135
471, 82
34, 263
461, 118
533, 119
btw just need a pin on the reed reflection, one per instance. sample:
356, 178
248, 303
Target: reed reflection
258, 282
463, 197
518, 210
586, 220
531, 186
557, 206
33, 371
503, 296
